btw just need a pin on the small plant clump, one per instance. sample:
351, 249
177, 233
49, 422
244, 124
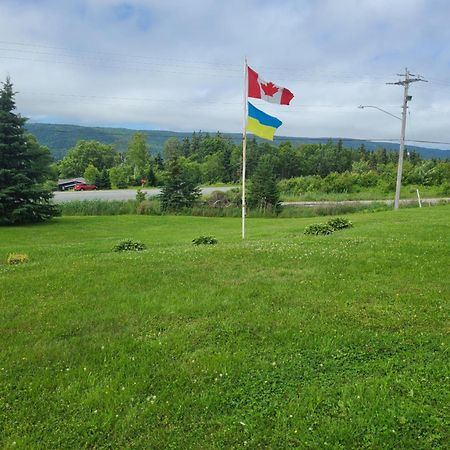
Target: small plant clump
140, 196
339, 223
205, 240
317, 229
128, 245
17, 258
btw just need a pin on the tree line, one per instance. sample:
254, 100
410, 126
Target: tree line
209, 159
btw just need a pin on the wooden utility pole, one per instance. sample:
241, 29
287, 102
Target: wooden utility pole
408, 79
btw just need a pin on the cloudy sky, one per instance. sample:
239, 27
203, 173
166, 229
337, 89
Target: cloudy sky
178, 65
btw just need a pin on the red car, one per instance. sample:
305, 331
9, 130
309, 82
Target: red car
85, 187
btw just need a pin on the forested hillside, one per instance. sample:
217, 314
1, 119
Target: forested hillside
60, 138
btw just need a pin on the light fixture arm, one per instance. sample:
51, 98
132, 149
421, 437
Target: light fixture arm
379, 109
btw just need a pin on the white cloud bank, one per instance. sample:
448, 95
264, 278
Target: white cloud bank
178, 65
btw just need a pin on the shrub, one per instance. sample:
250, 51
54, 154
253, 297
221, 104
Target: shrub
368, 179
218, 199
339, 182
128, 245
205, 240
301, 185
318, 229
445, 188
17, 258
140, 196
339, 223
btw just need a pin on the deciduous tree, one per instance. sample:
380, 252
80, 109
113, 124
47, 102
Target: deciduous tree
102, 156
137, 156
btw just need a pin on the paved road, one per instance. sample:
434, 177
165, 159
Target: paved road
130, 194
118, 194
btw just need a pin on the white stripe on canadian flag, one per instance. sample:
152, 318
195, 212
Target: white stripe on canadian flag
266, 90
270, 92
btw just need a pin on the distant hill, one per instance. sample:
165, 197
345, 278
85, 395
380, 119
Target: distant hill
59, 138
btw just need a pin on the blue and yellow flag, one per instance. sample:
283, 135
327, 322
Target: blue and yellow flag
261, 124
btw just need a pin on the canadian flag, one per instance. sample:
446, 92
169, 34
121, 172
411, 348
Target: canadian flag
266, 90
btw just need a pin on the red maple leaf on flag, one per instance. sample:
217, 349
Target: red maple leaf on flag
269, 89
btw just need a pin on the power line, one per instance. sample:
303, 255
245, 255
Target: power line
171, 100
233, 69
411, 140
92, 52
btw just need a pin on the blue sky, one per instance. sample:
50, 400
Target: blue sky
178, 65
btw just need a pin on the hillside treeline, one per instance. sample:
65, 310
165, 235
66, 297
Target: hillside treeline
210, 159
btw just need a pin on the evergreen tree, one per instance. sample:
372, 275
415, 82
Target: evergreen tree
263, 190
103, 180
178, 190
172, 148
159, 162
186, 147
151, 176
24, 166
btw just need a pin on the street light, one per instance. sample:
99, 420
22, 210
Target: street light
379, 109
402, 143
408, 79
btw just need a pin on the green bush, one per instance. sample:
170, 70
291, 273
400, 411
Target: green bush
301, 185
445, 188
128, 245
218, 199
140, 196
317, 229
205, 240
339, 182
339, 223
17, 258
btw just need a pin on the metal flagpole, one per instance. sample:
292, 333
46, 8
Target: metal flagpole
244, 146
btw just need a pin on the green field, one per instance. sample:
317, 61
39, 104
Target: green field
283, 341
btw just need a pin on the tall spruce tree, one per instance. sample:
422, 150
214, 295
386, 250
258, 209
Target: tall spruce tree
263, 191
22, 169
178, 190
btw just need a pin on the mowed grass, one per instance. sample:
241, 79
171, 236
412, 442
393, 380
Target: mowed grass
281, 341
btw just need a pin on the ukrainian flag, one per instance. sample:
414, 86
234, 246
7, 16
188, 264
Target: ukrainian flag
261, 124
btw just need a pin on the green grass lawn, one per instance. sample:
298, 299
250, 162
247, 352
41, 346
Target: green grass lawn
283, 341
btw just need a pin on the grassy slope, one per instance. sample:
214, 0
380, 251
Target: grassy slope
284, 341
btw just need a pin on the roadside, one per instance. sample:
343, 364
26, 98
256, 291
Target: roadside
130, 194
405, 201
121, 194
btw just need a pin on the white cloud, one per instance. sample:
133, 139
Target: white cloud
178, 65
